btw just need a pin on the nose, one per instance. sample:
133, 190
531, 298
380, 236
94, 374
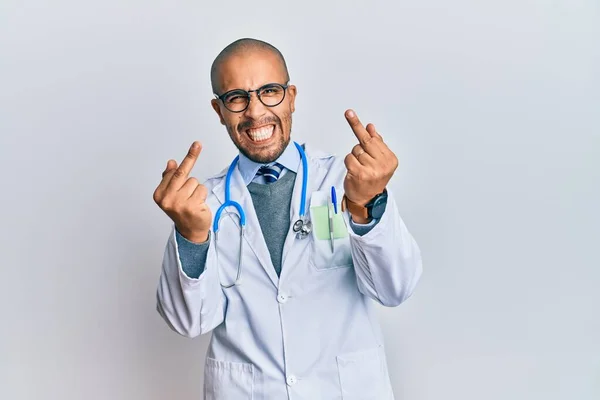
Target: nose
256, 108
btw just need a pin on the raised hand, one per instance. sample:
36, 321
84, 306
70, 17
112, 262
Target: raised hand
183, 198
370, 164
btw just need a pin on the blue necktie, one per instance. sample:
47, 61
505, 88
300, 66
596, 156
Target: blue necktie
271, 173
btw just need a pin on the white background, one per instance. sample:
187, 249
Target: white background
491, 106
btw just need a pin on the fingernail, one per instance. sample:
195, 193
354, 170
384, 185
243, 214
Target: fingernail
195, 145
350, 114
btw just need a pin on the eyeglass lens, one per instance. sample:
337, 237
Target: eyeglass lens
270, 95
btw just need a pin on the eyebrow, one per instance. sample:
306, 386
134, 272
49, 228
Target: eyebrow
234, 90
258, 87
263, 85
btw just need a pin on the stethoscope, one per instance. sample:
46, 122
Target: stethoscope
302, 226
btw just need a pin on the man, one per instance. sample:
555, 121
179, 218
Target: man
293, 316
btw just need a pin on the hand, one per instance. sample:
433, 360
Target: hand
370, 164
183, 198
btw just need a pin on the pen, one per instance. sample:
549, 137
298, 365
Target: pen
330, 214
334, 199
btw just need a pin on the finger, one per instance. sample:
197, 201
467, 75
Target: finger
188, 188
357, 127
352, 165
373, 132
361, 155
370, 140
375, 146
184, 169
166, 178
199, 195
171, 165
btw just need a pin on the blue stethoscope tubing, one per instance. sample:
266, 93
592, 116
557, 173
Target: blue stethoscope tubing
302, 226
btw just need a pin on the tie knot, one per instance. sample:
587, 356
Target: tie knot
270, 172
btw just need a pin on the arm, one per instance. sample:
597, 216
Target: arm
192, 255
387, 260
191, 306
190, 300
362, 229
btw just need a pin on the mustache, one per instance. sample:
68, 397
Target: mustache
249, 124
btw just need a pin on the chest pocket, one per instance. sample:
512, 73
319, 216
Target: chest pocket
322, 257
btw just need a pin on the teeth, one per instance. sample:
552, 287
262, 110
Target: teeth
262, 133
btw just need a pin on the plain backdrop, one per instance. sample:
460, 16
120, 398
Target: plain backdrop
492, 108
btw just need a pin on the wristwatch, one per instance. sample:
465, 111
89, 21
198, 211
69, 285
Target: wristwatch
373, 209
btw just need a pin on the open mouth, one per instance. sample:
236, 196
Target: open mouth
261, 134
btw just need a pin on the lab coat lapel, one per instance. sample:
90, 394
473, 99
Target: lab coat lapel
316, 174
253, 233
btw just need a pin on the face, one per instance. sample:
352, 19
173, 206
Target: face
261, 133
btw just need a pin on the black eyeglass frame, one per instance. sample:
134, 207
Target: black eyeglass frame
248, 95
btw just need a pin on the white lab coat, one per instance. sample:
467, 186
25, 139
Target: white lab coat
310, 334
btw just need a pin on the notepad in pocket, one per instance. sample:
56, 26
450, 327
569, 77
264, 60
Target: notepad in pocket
320, 217
322, 257
321, 224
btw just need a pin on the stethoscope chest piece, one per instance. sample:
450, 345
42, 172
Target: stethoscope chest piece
302, 228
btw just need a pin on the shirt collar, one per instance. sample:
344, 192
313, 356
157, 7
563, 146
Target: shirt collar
290, 159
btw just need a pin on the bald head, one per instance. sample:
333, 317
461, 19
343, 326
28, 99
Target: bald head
242, 46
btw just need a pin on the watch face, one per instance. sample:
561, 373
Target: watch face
378, 209
378, 206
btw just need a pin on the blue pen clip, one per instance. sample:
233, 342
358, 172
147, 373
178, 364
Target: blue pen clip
334, 199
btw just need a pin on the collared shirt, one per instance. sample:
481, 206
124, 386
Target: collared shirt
290, 159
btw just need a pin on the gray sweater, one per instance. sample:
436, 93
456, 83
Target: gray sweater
272, 204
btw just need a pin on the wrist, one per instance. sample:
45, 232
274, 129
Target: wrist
364, 213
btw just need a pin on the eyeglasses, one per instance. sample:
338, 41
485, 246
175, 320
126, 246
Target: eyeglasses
237, 100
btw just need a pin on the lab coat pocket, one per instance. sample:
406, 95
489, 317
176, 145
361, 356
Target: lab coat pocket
361, 375
225, 380
322, 257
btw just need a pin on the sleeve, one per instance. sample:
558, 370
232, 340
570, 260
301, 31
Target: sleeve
387, 259
192, 255
363, 229
190, 306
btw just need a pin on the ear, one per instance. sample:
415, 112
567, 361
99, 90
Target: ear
217, 107
292, 91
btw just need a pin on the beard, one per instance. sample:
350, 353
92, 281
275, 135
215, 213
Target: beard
274, 151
